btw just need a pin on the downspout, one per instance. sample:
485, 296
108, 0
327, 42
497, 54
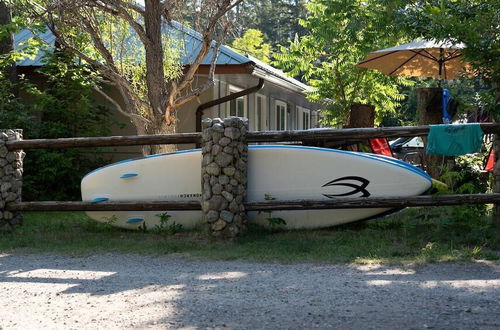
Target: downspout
202, 107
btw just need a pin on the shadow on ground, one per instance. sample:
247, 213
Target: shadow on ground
118, 290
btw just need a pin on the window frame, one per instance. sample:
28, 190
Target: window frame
263, 125
278, 104
304, 112
231, 89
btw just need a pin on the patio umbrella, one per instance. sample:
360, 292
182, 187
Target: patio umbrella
424, 58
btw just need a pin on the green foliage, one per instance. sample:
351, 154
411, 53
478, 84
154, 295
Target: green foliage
277, 19
166, 225
403, 238
474, 95
252, 42
62, 108
472, 22
465, 177
275, 223
269, 197
27, 49
340, 34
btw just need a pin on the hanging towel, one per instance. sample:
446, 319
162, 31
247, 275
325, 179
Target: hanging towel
454, 140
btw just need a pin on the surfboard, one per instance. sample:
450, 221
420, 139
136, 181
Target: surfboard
275, 172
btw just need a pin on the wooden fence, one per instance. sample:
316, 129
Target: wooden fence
306, 136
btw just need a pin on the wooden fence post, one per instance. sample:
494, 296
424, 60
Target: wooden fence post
429, 108
224, 176
11, 173
361, 115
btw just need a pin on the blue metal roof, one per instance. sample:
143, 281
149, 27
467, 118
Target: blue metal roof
192, 42
20, 40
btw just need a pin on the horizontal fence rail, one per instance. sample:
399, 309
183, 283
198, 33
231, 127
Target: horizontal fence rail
252, 137
351, 133
375, 202
339, 203
107, 141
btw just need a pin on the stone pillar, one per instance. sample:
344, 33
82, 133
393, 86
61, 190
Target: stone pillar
224, 176
11, 173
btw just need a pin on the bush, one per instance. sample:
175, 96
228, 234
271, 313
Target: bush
63, 108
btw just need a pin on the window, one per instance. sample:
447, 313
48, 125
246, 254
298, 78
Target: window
260, 116
304, 118
281, 115
237, 107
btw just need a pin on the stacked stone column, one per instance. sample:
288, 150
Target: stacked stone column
224, 176
11, 173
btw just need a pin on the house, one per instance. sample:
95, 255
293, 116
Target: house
271, 100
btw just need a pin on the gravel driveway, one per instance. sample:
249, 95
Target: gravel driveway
130, 291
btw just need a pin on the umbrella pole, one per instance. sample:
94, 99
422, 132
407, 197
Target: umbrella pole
440, 64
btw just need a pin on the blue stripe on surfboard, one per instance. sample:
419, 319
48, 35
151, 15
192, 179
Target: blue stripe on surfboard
135, 220
99, 199
387, 160
128, 175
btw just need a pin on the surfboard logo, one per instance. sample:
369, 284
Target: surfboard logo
358, 184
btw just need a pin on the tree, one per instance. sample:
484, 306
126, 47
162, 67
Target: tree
277, 19
472, 22
340, 34
125, 45
6, 40
252, 42
62, 108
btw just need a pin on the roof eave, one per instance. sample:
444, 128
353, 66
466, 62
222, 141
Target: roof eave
278, 80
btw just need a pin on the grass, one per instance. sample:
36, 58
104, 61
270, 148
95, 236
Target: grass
408, 237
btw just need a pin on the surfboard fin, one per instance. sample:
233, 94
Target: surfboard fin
99, 199
128, 175
135, 220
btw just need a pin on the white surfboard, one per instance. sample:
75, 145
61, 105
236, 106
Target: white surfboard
274, 172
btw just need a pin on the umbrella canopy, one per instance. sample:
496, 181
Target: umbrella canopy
424, 58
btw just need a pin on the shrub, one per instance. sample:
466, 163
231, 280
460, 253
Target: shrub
63, 108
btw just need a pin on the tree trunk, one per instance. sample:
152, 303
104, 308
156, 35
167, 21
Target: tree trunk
429, 108
155, 79
361, 116
7, 45
160, 127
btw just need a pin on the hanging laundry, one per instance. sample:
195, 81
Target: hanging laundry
454, 140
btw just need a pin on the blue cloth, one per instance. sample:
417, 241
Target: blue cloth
454, 140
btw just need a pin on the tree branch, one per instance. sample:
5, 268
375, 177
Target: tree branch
166, 7
119, 108
119, 11
205, 47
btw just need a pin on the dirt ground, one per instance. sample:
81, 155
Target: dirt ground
130, 291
